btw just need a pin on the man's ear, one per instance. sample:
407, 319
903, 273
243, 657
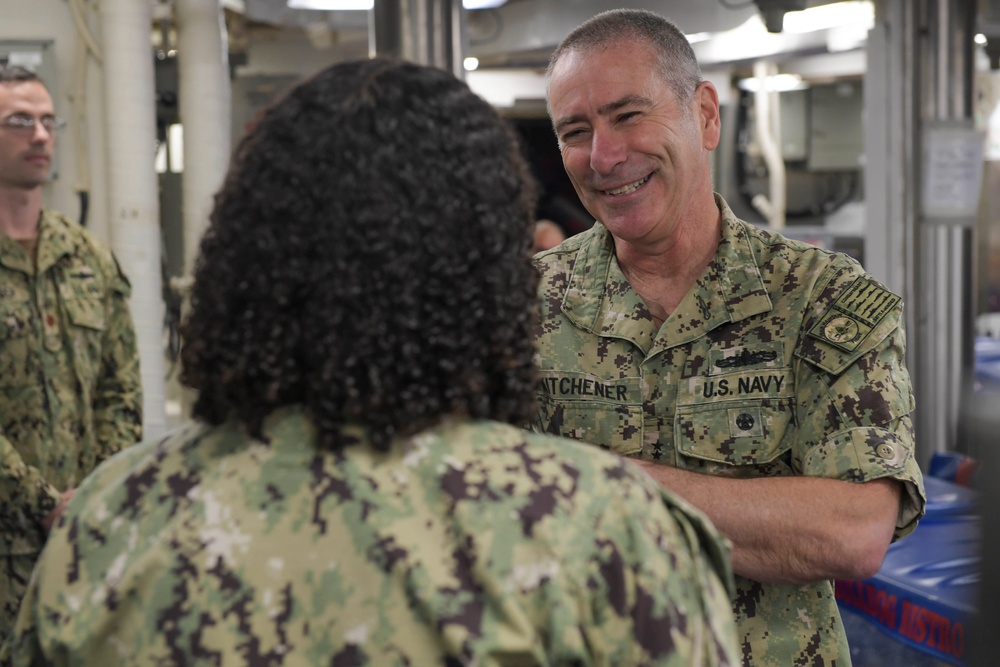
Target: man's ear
706, 101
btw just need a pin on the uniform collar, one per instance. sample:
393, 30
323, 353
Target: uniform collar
599, 299
53, 242
13, 255
51, 245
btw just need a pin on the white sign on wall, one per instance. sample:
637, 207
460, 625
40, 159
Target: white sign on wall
952, 171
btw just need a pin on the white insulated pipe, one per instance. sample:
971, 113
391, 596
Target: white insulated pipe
766, 112
205, 111
133, 192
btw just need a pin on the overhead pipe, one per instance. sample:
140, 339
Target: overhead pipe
133, 198
766, 111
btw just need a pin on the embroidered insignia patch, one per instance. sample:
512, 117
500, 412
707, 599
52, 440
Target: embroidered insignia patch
746, 358
855, 314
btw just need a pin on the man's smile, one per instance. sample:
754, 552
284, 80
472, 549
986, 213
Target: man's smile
628, 188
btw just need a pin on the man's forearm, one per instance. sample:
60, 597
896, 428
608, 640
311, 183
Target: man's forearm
793, 529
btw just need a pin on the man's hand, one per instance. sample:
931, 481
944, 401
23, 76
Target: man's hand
54, 515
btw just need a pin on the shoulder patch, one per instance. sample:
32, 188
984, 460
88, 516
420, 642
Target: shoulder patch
855, 314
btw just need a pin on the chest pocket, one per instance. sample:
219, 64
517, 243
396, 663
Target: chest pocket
732, 431
86, 312
603, 412
82, 296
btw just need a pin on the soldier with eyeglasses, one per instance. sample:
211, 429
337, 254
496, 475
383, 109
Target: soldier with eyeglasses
70, 393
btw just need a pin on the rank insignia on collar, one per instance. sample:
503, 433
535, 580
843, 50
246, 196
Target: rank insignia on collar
855, 314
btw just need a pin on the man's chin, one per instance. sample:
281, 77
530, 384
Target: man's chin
34, 183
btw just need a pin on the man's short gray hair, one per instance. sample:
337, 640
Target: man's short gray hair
17, 74
677, 62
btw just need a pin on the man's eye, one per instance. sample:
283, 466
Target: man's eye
628, 115
21, 120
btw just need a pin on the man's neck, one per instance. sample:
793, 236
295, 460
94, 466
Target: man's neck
663, 275
20, 211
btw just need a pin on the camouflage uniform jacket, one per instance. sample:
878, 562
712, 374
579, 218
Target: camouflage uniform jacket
69, 372
472, 543
25, 500
782, 359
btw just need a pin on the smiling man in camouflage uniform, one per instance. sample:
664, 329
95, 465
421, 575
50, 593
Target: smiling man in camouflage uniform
69, 371
760, 378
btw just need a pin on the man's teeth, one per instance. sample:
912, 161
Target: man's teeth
631, 187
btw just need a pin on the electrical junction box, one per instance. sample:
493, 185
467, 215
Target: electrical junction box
836, 136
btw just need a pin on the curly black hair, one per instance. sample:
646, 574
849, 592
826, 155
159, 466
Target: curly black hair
368, 258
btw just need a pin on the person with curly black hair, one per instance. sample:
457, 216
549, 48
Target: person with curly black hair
357, 488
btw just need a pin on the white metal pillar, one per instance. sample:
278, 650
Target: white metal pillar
133, 200
205, 113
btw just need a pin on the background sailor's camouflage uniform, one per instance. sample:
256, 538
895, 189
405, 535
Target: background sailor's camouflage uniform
69, 383
25, 500
472, 543
783, 359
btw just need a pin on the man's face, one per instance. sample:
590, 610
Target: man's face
637, 157
25, 156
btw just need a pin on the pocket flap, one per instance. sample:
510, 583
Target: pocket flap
86, 312
735, 433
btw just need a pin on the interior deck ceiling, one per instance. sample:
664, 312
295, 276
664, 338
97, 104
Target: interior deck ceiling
524, 31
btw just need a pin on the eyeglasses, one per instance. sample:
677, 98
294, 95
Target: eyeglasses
24, 124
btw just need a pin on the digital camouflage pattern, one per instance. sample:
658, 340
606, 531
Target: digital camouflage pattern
25, 500
69, 382
783, 359
473, 543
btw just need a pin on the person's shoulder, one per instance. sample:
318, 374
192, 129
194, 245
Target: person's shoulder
491, 444
77, 238
567, 251
132, 468
609, 475
628, 496
777, 244
62, 224
579, 454
557, 266
773, 245
792, 262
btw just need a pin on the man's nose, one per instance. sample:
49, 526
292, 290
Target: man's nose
607, 150
41, 133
